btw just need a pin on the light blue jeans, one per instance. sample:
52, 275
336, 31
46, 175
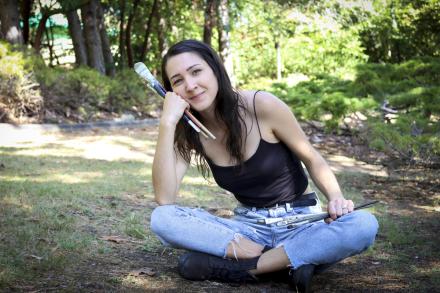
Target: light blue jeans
314, 243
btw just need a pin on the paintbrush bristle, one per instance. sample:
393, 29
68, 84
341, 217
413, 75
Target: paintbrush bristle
143, 72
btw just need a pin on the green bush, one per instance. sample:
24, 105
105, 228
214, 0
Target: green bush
323, 98
86, 90
20, 97
411, 88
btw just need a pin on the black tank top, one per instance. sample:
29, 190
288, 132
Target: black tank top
272, 175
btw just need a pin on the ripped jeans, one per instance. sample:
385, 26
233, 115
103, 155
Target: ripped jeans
313, 243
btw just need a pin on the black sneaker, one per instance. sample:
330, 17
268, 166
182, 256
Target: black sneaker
199, 266
301, 278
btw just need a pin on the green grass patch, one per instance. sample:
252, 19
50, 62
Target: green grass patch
55, 201
61, 195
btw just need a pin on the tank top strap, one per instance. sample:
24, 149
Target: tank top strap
255, 111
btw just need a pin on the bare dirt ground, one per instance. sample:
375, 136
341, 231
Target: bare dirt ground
394, 265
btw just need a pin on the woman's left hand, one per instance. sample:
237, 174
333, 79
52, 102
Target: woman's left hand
338, 207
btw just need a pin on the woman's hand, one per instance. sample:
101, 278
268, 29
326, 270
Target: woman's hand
173, 108
338, 207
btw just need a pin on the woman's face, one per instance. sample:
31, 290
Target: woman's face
192, 79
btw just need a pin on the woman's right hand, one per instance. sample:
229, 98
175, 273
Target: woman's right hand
173, 108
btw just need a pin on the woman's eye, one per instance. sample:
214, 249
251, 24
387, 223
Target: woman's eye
177, 81
196, 71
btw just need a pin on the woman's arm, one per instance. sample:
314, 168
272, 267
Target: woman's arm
280, 120
168, 166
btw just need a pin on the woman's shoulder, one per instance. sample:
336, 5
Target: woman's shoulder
264, 101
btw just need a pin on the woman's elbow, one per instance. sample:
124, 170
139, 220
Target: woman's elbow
160, 200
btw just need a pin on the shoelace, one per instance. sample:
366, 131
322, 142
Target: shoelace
224, 271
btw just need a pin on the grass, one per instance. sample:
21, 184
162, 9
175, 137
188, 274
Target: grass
61, 193
55, 198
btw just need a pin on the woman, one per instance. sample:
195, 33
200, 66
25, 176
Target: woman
256, 155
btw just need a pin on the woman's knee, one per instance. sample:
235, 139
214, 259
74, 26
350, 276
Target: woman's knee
366, 226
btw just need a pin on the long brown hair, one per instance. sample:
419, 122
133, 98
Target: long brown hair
229, 108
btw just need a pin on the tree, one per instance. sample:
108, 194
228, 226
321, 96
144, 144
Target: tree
128, 34
146, 43
105, 43
210, 15
47, 10
76, 33
26, 9
9, 17
95, 56
402, 30
223, 27
122, 54
161, 29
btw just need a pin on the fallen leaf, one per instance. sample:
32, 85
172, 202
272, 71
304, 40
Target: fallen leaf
44, 240
34, 256
116, 239
368, 191
143, 272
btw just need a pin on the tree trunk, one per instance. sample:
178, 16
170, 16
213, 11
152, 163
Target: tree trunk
121, 34
26, 8
40, 30
50, 41
128, 34
108, 56
91, 33
223, 27
279, 64
210, 12
77, 36
161, 29
146, 44
9, 18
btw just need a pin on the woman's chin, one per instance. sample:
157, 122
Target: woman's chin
199, 107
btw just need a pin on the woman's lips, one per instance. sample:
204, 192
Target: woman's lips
196, 96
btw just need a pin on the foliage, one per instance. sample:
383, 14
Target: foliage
323, 98
401, 30
322, 46
19, 93
311, 43
411, 88
28, 87
86, 91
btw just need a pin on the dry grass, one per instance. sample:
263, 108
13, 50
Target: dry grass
61, 193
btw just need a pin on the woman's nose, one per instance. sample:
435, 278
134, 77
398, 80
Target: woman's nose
191, 84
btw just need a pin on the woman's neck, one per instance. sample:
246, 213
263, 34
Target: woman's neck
210, 119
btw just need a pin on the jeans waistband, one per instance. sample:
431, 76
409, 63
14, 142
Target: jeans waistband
304, 200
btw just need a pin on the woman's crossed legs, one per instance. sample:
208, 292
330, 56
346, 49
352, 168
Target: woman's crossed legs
319, 243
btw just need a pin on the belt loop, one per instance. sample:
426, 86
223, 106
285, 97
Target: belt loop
254, 209
288, 208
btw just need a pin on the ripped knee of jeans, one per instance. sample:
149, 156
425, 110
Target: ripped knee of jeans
236, 244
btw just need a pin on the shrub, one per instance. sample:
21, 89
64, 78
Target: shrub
20, 97
323, 98
411, 88
87, 91
32, 92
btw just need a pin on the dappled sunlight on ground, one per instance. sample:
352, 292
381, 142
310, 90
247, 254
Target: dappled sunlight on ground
15, 202
99, 182
92, 144
339, 163
71, 178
